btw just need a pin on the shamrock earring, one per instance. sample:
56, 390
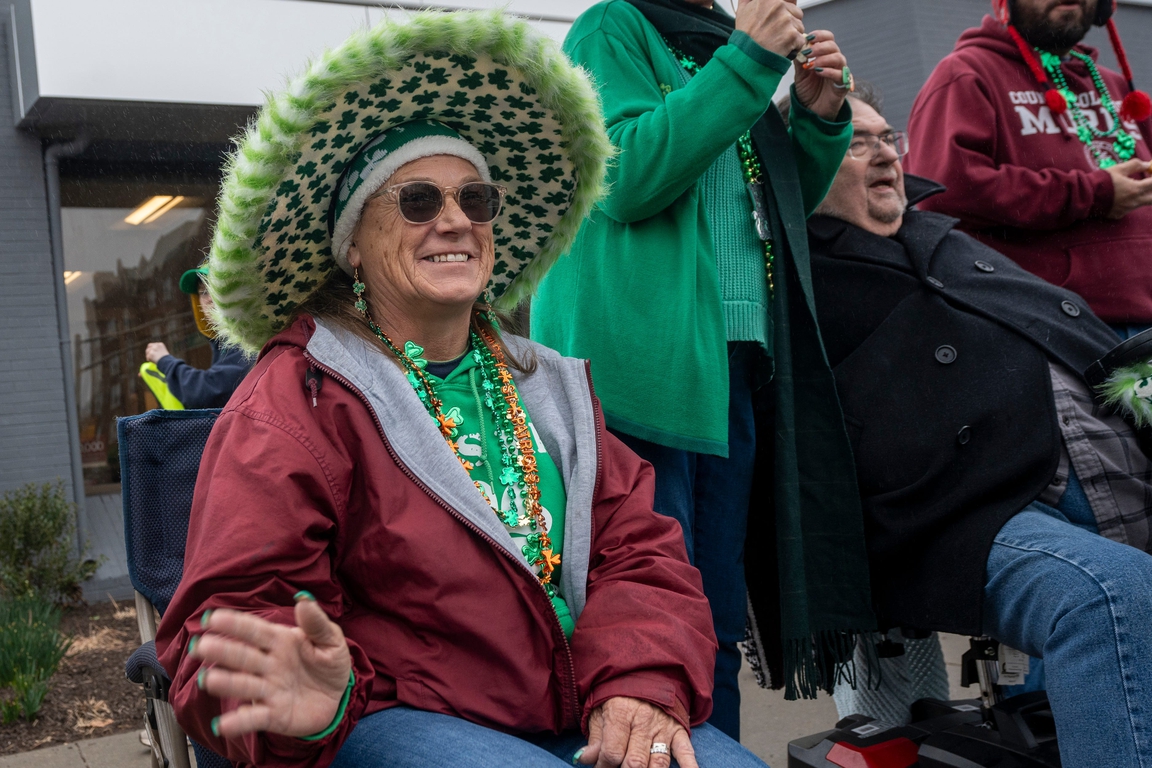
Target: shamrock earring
489, 313
358, 289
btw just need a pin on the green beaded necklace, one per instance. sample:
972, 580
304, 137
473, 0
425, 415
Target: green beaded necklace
753, 174
1122, 141
518, 457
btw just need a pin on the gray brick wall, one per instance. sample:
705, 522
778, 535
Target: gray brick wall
897, 43
34, 439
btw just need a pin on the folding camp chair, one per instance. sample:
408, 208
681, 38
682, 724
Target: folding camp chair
159, 459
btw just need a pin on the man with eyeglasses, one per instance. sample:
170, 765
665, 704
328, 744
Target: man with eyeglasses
999, 499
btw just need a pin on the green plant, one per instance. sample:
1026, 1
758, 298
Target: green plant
31, 648
37, 545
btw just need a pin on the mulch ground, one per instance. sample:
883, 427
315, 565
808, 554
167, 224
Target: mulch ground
89, 695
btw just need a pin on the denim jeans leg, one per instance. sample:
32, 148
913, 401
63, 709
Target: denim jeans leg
723, 490
1084, 604
675, 478
402, 737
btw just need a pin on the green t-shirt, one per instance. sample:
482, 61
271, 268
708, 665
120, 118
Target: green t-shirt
461, 392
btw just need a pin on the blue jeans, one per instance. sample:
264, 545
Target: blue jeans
709, 496
1128, 331
1083, 603
410, 738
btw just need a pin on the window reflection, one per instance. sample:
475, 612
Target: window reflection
122, 289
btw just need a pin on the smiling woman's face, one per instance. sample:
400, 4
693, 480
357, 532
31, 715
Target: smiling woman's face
422, 270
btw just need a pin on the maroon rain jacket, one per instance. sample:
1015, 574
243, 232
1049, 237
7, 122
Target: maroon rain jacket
325, 473
1020, 180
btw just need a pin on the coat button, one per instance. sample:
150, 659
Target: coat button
1070, 309
984, 266
945, 354
935, 282
964, 435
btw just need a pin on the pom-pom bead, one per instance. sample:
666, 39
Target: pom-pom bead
1136, 106
1056, 101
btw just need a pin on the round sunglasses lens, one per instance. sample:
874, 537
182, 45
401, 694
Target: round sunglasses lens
480, 201
420, 203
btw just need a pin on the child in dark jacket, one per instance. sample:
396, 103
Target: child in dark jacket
193, 387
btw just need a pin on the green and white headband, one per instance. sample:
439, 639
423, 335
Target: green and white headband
375, 163
504, 91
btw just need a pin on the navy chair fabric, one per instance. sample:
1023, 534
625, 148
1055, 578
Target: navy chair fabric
159, 460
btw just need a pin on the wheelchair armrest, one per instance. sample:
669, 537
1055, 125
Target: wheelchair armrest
143, 668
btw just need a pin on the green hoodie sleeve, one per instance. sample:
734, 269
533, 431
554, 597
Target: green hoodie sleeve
819, 147
667, 135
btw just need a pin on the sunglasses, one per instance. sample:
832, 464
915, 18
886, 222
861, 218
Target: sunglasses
422, 201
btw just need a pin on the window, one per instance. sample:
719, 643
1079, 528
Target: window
121, 275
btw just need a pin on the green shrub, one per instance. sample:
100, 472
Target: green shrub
31, 648
37, 545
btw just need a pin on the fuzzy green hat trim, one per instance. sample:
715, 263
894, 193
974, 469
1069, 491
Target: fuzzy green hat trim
500, 84
1129, 389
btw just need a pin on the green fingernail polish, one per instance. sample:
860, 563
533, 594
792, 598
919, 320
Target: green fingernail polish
192, 643
205, 617
579, 754
304, 595
200, 678
818, 69
806, 52
810, 36
215, 726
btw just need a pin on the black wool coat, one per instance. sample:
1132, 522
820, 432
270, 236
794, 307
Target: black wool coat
940, 348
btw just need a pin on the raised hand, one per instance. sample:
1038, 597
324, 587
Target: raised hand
776, 25
820, 79
621, 731
1130, 193
293, 677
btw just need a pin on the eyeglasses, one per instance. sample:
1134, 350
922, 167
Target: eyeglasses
422, 201
864, 146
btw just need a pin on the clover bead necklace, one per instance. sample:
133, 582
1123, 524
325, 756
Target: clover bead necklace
518, 456
1122, 142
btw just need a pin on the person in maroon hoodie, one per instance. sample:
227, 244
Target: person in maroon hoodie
1045, 155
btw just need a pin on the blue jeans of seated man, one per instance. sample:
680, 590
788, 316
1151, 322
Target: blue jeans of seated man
410, 738
1128, 331
709, 496
1084, 604
1074, 506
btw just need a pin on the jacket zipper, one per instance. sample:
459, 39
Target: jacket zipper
574, 698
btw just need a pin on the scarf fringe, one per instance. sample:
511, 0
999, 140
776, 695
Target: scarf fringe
818, 663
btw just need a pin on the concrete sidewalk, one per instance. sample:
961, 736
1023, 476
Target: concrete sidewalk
767, 723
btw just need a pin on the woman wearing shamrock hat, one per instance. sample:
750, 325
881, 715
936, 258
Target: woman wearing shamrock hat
413, 543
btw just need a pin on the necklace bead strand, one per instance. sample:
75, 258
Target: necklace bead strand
518, 455
750, 163
1086, 130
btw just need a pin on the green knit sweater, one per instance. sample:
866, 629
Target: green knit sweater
640, 292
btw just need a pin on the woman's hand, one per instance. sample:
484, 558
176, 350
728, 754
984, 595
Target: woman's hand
293, 677
775, 25
621, 732
820, 80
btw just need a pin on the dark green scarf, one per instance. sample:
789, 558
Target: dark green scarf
809, 611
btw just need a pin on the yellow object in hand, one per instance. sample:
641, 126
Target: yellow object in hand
158, 383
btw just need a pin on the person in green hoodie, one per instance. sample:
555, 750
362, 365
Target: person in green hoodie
689, 289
